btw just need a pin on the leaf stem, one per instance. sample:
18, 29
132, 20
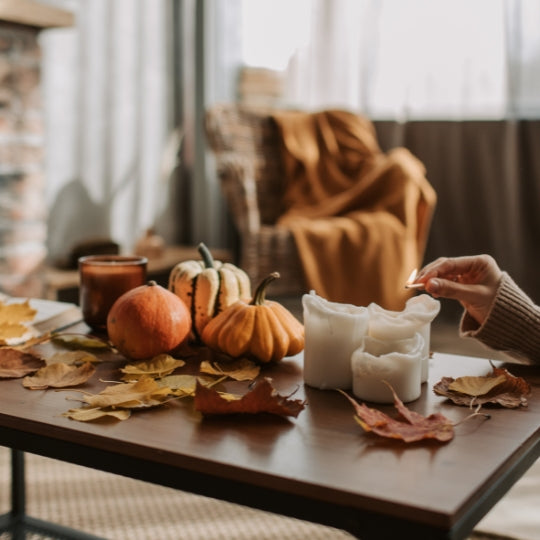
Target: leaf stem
474, 414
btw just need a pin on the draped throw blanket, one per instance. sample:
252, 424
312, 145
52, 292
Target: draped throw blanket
360, 217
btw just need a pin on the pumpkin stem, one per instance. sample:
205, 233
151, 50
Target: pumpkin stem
206, 256
260, 293
151, 283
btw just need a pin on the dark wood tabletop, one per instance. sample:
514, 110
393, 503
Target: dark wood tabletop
320, 466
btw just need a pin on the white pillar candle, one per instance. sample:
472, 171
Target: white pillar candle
398, 362
417, 316
332, 332
423, 309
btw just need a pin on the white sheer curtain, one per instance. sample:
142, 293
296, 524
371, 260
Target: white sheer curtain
451, 59
106, 90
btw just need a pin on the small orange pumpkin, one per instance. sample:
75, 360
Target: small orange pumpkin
148, 320
263, 329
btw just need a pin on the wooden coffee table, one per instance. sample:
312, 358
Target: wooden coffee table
319, 467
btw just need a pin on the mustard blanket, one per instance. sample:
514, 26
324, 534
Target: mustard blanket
360, 217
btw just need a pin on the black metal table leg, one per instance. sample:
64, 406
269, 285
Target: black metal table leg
18, 523
18, 495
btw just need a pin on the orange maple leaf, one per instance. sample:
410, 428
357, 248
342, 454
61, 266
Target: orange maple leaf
261, 398
409, 426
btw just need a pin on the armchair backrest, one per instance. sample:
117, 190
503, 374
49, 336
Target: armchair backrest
251, 134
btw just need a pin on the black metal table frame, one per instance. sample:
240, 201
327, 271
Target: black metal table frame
17, 522
361, 524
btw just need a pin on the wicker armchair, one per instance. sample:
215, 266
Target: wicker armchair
245, 142
388, 201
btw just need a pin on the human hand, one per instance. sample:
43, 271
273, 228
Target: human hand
471, 280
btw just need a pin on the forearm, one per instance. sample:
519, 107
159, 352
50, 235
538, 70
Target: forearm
512, 325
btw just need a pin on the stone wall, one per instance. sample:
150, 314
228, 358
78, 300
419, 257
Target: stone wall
23, 227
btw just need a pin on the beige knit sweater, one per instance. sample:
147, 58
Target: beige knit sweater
512, 325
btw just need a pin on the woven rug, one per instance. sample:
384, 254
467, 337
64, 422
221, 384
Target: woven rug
119, 508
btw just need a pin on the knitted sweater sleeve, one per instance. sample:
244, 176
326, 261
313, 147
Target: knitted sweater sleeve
512, 325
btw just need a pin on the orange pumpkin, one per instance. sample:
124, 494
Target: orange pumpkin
262, 329
148, 320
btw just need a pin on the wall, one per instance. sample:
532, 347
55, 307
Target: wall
486, 175
22, 206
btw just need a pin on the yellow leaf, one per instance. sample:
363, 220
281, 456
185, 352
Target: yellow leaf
184, 385
476, 386
16, 312
87, 414
227, 396
59, 376
79, 342
142, 393
12, 330
180, 385
72, 358
158, 367
12, 317
239, 370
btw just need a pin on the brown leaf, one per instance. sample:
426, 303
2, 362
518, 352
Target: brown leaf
15, 364
59, 376
262, 398
499, 388
411, 427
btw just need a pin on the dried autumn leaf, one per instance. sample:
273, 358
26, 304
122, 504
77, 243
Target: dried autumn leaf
159, 366
184, 385
242, 369
16, 312
79, 342
15, 364
59, 376
502, 387
87, 414
475, 386
11, 331
409, 426
72, 358
262, 398
139, 394
12, 319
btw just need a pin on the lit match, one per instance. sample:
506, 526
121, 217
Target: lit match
409, 284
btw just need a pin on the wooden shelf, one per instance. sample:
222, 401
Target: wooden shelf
64, 284
36, 14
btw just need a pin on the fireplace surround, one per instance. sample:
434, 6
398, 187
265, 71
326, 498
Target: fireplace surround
23, 213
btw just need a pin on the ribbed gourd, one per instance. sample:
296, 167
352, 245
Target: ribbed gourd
207, 287
264, 330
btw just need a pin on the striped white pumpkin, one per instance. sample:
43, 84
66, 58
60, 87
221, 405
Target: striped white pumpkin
207, 287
